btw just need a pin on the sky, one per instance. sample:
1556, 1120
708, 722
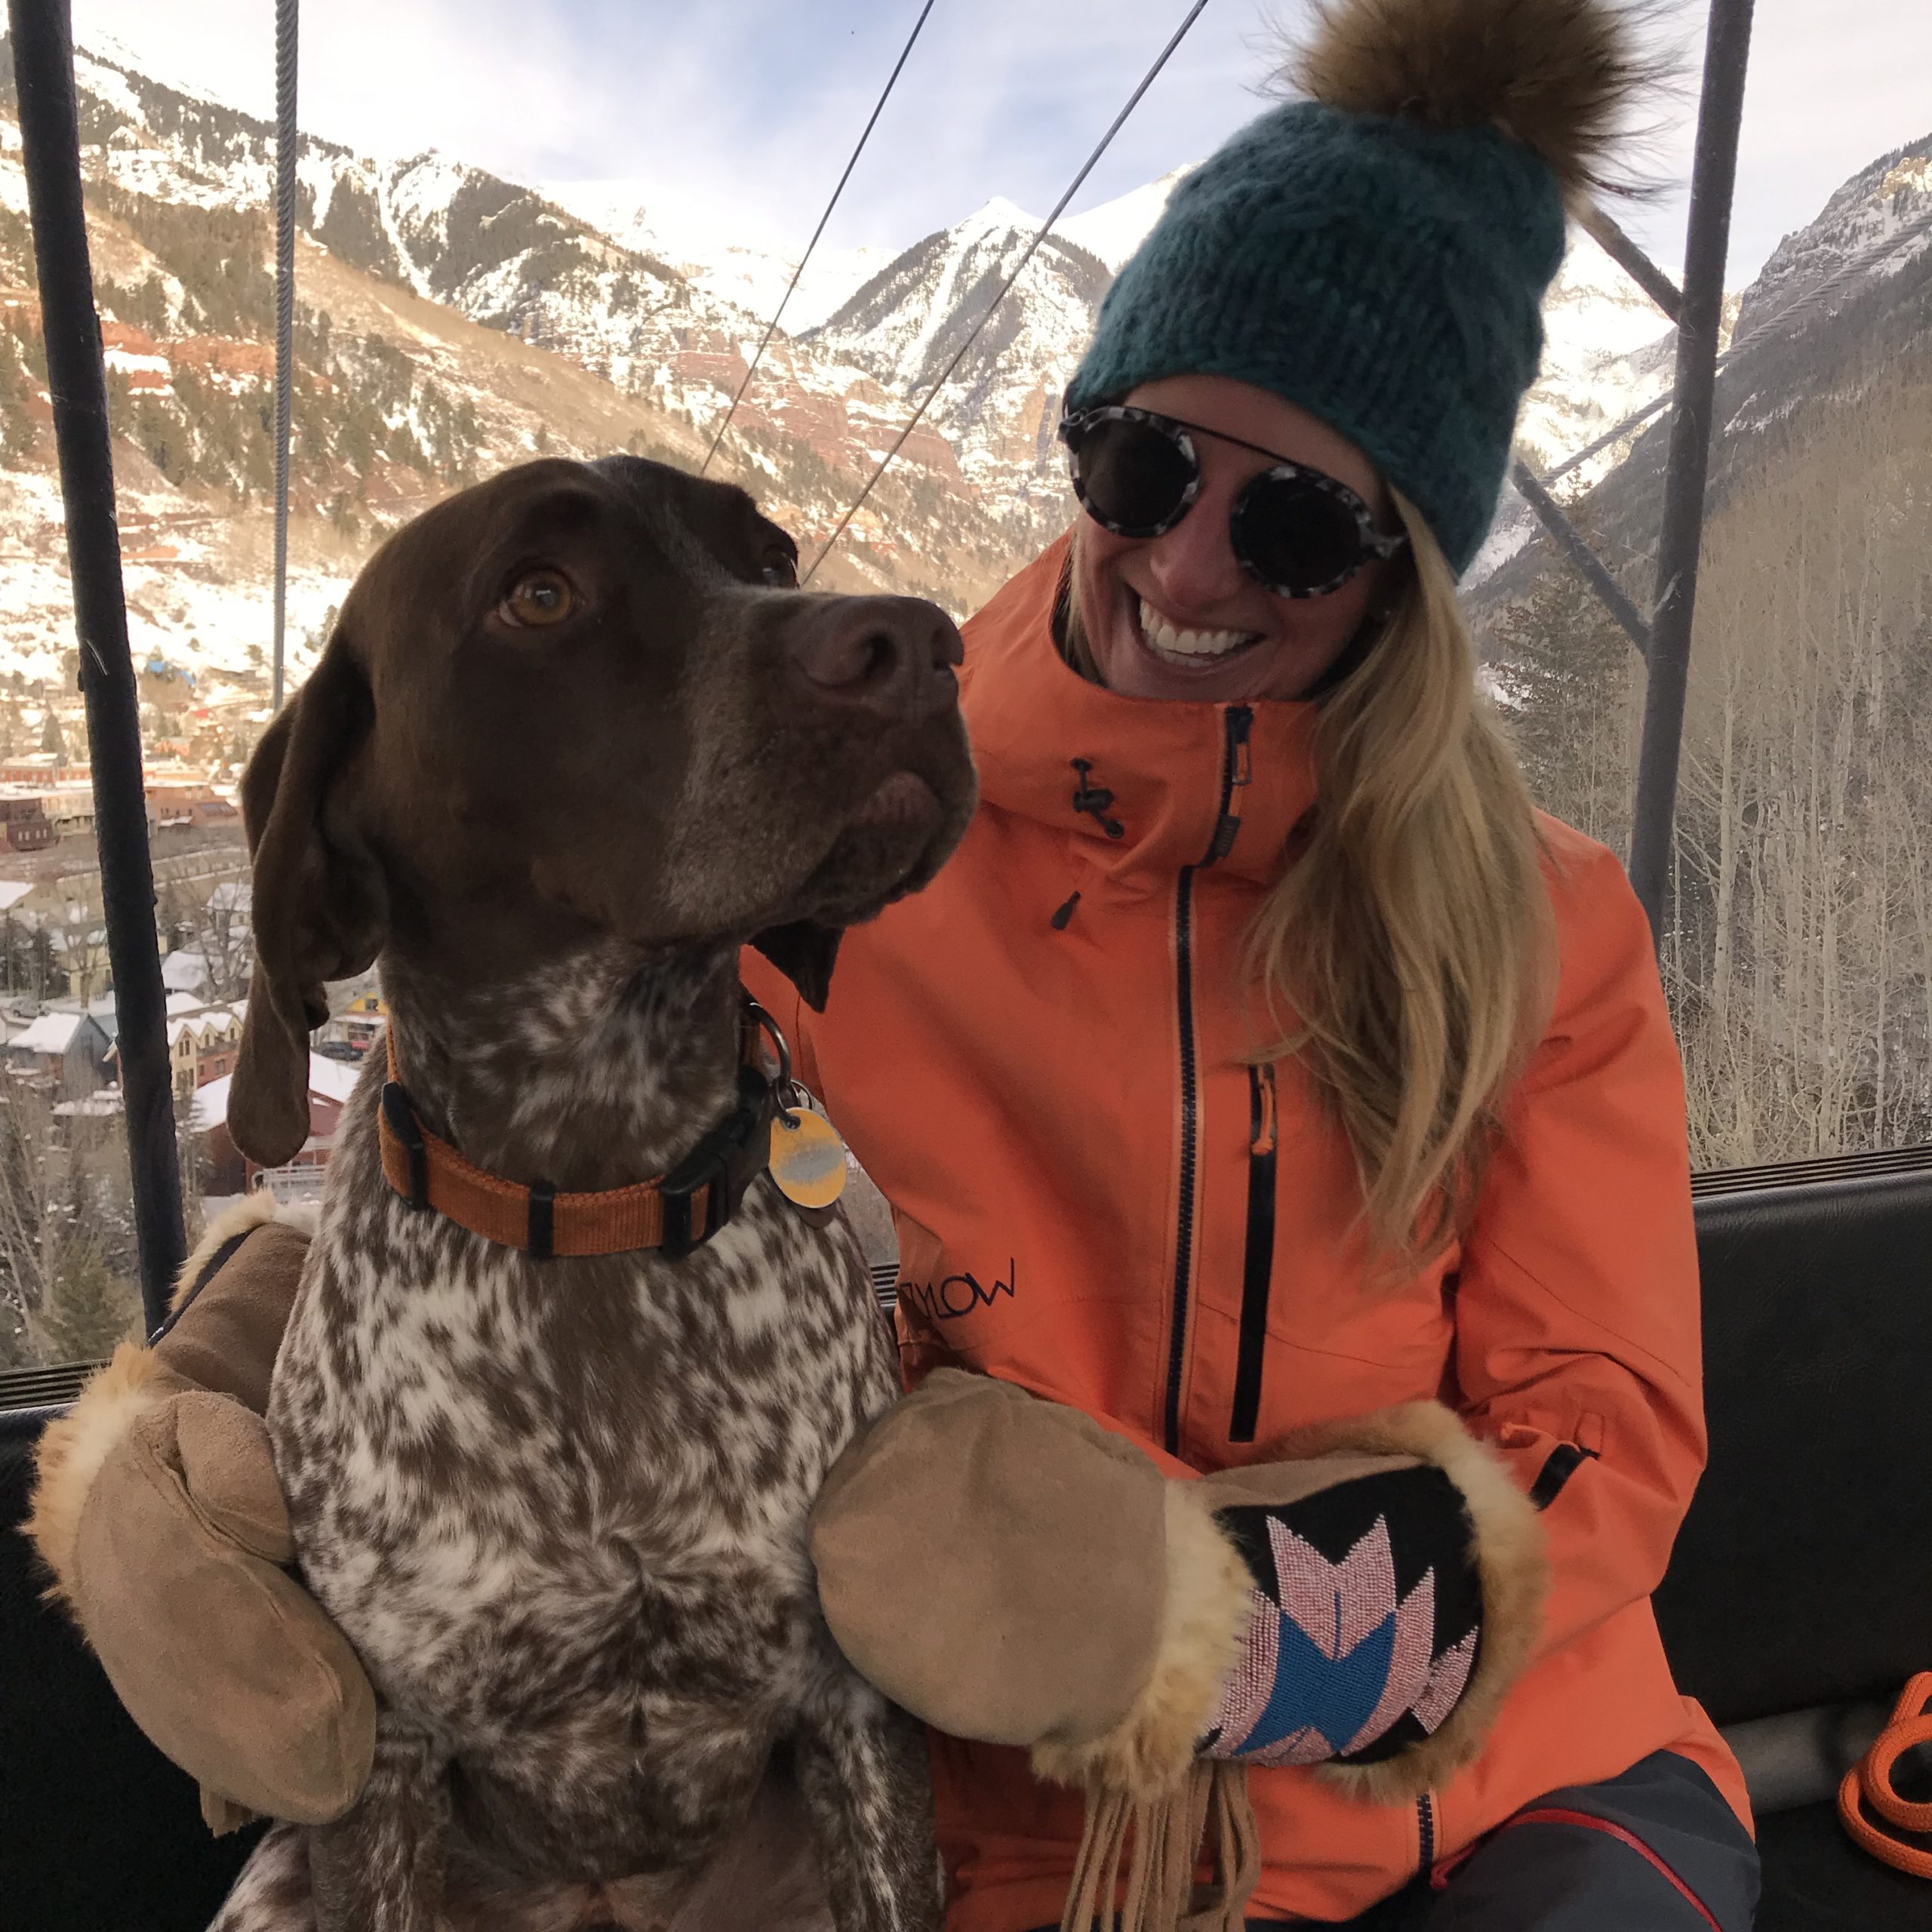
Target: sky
745, 110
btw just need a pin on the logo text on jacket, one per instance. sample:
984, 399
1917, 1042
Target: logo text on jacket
956, 1295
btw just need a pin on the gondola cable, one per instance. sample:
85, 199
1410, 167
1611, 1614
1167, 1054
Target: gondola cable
1059, 208
771, 327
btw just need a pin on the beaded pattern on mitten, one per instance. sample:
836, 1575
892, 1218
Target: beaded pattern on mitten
1368, 1614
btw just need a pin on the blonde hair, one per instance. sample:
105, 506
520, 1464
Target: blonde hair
1405, 955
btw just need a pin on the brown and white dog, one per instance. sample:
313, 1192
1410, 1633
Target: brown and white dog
575, 738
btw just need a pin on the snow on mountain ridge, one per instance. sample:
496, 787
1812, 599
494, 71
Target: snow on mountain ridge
1111, 232
999, 409
638, 287
900, 319
638, 215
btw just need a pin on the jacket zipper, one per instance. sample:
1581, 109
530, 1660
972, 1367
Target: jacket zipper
1237, 718
1258, 1260
1425, 1834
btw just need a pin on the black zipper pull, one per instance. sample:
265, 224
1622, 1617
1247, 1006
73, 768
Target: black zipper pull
1059, 919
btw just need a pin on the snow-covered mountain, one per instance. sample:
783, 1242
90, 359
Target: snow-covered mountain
907, 324
1873, 227
454, 322
1112, 231
449, 322
637, 215
1606, 354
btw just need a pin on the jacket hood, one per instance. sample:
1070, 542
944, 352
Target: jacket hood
1168, 763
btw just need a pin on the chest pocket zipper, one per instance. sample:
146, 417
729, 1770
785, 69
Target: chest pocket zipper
1258, 1262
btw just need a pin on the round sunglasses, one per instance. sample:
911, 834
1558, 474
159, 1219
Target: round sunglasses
1296, 531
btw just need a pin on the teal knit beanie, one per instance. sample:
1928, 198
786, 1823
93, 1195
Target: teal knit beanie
1379, 254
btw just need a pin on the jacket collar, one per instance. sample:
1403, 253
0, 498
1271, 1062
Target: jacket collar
1167, 763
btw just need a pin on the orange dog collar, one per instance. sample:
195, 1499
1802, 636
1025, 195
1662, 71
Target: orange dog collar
674, 1213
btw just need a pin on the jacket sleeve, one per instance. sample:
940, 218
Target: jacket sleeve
1577, 1347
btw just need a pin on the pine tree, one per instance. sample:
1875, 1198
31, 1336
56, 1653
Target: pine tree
88, 1310
52, 739
1566, 669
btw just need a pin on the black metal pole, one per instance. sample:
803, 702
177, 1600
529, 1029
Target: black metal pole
1596, 222
1713, 177
50, 138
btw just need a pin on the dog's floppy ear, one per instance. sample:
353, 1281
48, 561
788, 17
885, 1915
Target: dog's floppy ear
320, 908
804, 952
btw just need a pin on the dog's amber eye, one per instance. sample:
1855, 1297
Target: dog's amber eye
538, 598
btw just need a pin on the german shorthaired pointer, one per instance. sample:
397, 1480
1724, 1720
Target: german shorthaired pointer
576, 737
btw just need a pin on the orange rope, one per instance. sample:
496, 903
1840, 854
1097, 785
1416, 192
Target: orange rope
1868, 1788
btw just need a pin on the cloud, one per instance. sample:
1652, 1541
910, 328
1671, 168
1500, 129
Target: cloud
746, 109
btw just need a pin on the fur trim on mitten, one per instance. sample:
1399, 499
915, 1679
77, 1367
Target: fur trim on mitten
1206, 1601
157, 1510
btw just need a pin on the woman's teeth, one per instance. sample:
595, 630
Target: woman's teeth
1180, 647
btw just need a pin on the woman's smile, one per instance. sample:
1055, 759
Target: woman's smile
1174, 643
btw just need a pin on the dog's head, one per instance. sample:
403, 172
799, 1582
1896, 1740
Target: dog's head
589, 695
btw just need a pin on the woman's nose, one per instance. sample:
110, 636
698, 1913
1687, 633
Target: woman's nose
1193, 565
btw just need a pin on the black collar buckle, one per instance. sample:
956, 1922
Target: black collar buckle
723, 1164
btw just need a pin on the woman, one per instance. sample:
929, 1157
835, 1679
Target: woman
1260, 1071
1260, 1063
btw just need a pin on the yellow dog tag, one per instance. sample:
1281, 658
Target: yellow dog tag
807, 1158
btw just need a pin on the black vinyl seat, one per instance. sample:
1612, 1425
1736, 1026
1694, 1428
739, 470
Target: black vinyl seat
1802, 1580
1800, 1584
99, 1832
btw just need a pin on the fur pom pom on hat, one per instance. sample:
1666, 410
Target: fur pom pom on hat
1378, 251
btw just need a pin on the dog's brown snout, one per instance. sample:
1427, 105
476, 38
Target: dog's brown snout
890, 654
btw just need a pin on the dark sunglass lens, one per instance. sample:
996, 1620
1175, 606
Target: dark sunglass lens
1295, 536
1132, 478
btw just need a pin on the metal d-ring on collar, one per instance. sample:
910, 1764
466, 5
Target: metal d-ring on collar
791, 1097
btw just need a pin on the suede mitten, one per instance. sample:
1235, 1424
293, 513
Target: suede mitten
1011, 1572
157, 1508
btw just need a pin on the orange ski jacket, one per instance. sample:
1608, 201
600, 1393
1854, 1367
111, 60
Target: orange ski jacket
1097, 1199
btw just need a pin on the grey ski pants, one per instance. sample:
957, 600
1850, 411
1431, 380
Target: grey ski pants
1656, 1848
